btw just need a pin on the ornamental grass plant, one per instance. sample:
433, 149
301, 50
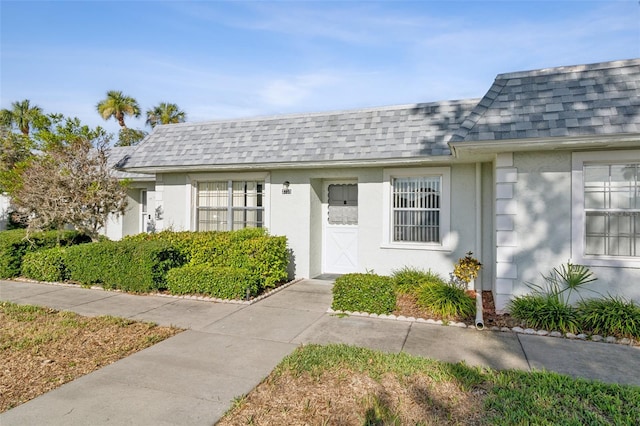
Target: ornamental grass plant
446, 301
545, 311
610, 316
407, 280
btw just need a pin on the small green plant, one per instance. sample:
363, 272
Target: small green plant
611, 316
564, 281
545, 311
467, 268
446, 301
549, 307
407, 280
364, 293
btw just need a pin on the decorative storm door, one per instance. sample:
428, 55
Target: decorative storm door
340, 252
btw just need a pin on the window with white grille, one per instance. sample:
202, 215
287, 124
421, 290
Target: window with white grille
416, 209
612, 209
229, 205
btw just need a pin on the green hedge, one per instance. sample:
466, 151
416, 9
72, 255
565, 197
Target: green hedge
14, 245
135, 266
220, 282
364, 293
252, 249
45, 265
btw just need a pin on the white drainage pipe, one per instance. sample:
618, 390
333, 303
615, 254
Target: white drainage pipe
479, 319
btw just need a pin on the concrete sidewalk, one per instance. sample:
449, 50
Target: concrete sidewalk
228, 349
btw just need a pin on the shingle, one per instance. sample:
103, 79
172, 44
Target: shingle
349, 135
601, 98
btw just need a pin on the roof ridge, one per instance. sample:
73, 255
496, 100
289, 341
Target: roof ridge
571, 68
476, 113
323, 113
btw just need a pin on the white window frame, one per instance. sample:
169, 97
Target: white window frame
444, 173
578, 214
264, 177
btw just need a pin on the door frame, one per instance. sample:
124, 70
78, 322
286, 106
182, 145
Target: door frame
325, 216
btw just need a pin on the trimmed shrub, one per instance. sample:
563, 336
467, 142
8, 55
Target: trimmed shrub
14, 244
611, 316
251, 248
408, 280
45, 265
445, 300
543, 311
223, 283
364, 293
135, 266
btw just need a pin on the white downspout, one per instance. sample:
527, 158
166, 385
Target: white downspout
479, 318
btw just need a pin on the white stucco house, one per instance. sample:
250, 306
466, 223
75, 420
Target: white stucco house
542, 170
140, 215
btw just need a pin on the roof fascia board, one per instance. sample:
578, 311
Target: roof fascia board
626, 140
414, 161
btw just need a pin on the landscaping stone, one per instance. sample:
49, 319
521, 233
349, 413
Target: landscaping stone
505, 329
431, 321
570, 336
582, 336
529, 331
624, 341
517, 329
555, 334
610, 339
597, 338
542, 332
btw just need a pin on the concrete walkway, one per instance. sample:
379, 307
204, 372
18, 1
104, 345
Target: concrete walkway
192, 378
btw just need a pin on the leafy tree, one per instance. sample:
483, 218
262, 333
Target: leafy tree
118, 105
22, 115
165, 113
15, 150
129, 137
69, 181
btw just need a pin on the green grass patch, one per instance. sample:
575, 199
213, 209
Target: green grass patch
511, 397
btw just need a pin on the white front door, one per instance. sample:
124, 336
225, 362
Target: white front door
340, 227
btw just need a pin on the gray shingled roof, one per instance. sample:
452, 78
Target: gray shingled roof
115, 155
569, 101
398, 132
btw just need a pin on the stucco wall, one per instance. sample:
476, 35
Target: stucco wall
298, 215
543, 226
173, 201
129, 224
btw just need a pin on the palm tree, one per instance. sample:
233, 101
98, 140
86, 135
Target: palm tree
117, 105
22, 114
165, 113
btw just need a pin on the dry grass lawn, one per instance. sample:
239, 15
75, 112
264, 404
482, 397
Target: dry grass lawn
42, 348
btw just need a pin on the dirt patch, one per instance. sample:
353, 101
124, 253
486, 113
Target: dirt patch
407, 306
346, 397
42, 349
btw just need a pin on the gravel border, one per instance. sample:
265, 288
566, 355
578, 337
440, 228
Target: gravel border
170, 296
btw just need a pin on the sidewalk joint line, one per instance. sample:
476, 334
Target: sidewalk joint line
523, 351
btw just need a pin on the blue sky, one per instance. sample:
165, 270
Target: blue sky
227, 59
